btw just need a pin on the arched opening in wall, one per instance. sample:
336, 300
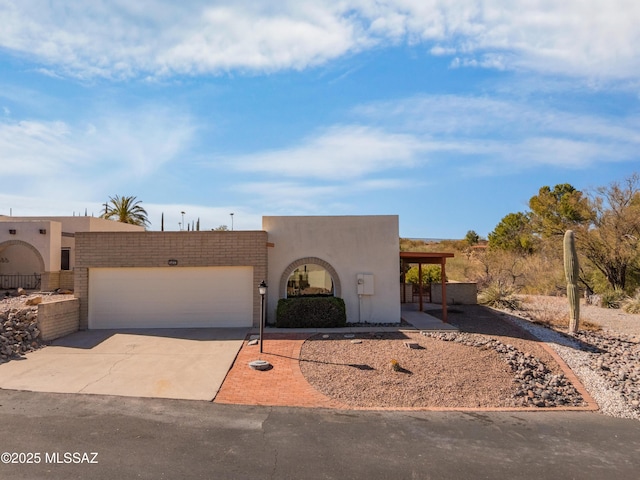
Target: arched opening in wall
308, 280
21, 265
309, 276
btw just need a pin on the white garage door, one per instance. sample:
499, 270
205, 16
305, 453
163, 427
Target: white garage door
170, 297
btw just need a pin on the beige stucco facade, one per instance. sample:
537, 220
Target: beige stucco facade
359, 254
34, 245
346, 246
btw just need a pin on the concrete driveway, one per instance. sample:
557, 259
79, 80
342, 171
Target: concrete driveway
188, 364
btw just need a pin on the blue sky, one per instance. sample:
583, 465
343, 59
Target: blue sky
449, 113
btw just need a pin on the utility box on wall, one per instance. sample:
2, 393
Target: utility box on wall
365, 284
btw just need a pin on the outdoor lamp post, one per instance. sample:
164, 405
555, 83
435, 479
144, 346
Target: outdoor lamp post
262, 288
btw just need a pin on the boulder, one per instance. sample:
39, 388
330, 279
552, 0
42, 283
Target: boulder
34, 301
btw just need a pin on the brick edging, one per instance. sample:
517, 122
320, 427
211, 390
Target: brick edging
573, 378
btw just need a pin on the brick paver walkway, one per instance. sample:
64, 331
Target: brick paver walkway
283, 385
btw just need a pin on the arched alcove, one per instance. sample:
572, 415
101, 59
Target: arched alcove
4, 246
337, 289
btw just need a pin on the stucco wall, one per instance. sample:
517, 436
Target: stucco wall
457, 293
80, 223
155, 249
349, 244
22, 259
18, 259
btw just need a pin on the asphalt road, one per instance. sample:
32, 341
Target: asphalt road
175, 439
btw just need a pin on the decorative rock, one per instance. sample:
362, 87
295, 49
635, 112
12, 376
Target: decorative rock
33, 301
536, 386
19, 330
411, 345
260, 365
357, 340
252, 342
349, 335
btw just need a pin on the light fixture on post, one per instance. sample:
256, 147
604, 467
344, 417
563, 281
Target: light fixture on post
232, 227
261, 364
262, 289
182, 223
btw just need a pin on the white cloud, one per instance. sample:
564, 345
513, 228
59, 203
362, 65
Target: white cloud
114, 146
122, 39
340, 152
300, 198
497, 136
37, 148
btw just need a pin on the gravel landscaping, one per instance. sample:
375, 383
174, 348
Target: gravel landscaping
496, 360
607, 361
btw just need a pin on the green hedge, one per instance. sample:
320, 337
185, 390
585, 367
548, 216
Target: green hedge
311, 312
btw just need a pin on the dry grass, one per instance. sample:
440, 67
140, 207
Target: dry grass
552, 312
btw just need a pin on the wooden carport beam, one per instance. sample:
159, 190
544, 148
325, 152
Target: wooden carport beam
432, 258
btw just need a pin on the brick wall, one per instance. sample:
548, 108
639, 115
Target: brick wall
66, 279
155, 249
49, 281
57, 319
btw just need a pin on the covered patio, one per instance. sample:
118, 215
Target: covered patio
427, 258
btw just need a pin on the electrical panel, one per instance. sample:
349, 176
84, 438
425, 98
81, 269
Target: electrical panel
365, 284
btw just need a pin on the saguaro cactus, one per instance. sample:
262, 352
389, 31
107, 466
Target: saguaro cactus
571, 273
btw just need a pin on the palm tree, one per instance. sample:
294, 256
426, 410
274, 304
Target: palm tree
126, 210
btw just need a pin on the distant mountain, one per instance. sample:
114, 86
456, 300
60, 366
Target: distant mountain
431, 240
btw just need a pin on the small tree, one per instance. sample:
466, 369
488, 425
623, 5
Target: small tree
612, 242
513, 233
472, 237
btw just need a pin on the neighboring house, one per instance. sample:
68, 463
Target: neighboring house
39, 252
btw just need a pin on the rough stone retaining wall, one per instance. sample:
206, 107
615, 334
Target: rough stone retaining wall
19, 333
57, 319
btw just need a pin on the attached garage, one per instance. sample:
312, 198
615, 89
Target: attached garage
168, 297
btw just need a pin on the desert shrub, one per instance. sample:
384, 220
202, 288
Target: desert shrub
613, 298
632, 305
498, 295
311, 312
430, 274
